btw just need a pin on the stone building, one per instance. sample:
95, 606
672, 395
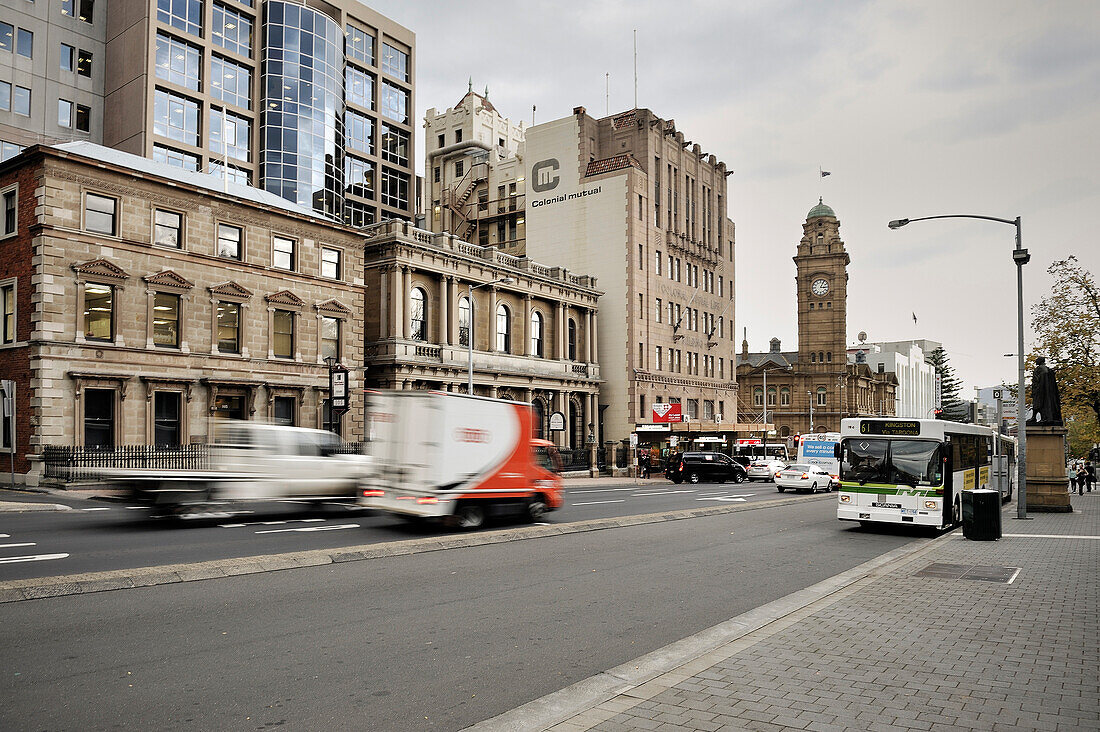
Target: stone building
142, 303
475, 180
629, 199
533, 336
818, 379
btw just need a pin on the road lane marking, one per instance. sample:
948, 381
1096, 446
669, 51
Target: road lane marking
661, 493
593, 503
95, 509
311, 528
31, 558
739, 498
270, 523
9, 546
602, 490
5, 536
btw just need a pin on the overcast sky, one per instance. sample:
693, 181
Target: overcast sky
917, 109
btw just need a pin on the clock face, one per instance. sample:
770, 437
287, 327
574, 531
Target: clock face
820, 287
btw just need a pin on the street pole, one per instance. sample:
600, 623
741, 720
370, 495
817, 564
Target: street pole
765, 415
810, 397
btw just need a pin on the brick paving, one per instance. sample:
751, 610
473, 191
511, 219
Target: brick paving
901, 652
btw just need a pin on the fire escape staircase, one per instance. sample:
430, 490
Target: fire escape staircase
457, 199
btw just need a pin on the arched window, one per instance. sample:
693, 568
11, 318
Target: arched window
784, 431
418, 322
813, 358
464, 321
821, 357
572, 333
539, 416
536, 334
785, 397
822, 395
829, 357
504, 329
771, 396
758, 396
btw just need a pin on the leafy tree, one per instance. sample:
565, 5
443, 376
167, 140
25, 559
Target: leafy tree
954, 409
1067, 331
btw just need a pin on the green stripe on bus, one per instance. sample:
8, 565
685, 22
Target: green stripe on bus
886, 490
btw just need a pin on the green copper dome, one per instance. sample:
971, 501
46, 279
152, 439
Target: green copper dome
819, 211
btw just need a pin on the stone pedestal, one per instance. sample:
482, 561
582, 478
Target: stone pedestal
1047, 484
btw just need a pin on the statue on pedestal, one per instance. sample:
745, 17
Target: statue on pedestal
1046, 405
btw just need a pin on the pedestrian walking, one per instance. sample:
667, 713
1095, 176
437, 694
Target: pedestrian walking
643, 463
1071, 474
1090, 475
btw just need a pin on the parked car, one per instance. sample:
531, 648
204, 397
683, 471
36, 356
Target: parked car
765, 469
704, 467
804, 476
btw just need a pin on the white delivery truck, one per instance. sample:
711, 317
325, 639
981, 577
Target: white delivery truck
439, 455
821, 449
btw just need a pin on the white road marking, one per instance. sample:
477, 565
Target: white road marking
1017, 573
603, 490
31, 558
311, 528
1052, 536
134, 508
5, 536
660, 493
271, 523
739, 498
95, 509
593, 503
8, 546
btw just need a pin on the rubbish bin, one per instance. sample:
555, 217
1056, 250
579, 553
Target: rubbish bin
981, 517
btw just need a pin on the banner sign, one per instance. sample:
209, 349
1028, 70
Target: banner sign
338, 388
664, 412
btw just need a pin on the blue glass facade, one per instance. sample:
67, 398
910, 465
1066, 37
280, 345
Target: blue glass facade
303, 107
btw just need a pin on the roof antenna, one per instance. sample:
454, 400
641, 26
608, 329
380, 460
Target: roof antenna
635, 68
607, 94
470, 85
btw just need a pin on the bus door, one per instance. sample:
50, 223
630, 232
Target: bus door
948, 483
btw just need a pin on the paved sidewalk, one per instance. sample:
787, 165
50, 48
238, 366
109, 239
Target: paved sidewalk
897, 651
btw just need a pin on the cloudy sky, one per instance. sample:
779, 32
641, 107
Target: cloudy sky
987, 107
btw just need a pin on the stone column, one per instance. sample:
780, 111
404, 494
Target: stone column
588, 335
490, 321
594, 354
406, 288
396, 302
559, 333
526, 350
444, 310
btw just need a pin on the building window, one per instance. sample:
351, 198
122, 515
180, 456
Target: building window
282, 345
829, 357
458, 135
229, 327
657, 310
282, 256
183, 14
771, 396
330, 338
395, 62
166, 320
571, 338
229, 241
230, 82
356, 214
784, 397
460, 168
536, 335
418, 323
504, 329
81, 9
237, 131
21, 101
708, 409
99, 418
657, 264
395, 145
171, 156
168, 229
658, 361
67, 61
83, 118
7, 303
395, 103
8, 150
758, 397
359, 45
331, 265
24, 43
84, 63
11, 207
64, 113
229, 406
359, 87
99, 312
464, 321
176, 117
7, 34
99, 214
232, 30
822, 396
166, 418
283, 408
395, 189
359, 132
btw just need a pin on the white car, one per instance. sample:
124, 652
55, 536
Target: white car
803, 476
765, 469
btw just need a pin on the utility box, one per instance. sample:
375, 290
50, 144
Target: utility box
981, 517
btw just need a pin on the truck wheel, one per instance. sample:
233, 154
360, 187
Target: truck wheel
470, 516
537, 509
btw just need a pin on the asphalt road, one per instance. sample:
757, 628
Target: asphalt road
428, 641
100, 536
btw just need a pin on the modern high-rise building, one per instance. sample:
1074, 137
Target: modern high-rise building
629, 199
916, 392
309, 100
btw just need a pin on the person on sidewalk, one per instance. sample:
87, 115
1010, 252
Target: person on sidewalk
1090, 475
643, 463
1071, 474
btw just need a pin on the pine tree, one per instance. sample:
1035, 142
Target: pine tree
954, 409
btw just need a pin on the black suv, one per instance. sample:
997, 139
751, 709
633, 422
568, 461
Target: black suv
695, 467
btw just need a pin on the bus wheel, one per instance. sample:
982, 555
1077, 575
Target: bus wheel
469, 516
537, 509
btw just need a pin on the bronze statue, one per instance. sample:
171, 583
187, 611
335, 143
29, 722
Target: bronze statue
1046, 405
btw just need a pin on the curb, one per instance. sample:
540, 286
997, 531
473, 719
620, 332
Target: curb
121, 579
640, 678
13, 507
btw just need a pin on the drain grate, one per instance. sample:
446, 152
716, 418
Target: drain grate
942, 570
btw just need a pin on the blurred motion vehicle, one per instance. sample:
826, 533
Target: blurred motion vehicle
252, 461
704, 467
765, 469
804, 476
821, 449
457, 458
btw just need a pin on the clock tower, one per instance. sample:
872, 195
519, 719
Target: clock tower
822, 285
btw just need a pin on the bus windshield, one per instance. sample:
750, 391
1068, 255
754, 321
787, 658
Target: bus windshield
898, 462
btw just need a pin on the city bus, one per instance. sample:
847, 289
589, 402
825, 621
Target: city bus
911, 471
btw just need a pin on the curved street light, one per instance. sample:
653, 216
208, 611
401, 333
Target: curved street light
1021, 257
470, 336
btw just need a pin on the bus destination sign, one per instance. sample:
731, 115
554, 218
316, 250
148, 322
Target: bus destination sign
889, 429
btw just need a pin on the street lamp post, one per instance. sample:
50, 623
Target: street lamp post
470, 336
1021, 257
810, 398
